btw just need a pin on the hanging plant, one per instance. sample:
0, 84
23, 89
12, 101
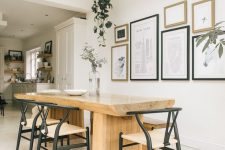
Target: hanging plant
211, 39
101, 9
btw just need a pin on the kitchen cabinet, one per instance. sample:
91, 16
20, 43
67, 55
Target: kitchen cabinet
29, 87
70, 39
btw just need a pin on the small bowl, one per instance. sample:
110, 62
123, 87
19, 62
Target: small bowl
75, 92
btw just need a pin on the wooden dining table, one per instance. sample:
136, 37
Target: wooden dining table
109, 113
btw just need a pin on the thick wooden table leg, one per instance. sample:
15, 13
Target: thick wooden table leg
106, 131
76, 117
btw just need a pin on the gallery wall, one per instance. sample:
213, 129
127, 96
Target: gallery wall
201, 122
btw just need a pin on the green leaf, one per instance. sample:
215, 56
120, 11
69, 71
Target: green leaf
219, 23
95, 29
206, 46
200, 40
108, 24
220, 50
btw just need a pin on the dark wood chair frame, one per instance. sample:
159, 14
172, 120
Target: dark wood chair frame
43, 137
34, 130
172, 115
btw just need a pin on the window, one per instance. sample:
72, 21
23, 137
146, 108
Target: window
32, 63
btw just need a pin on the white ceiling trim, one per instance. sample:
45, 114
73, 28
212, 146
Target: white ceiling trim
82, 6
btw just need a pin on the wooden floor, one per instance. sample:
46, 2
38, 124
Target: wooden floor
9, 129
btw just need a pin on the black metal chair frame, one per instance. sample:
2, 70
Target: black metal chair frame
33, 130
172, 116
44, 115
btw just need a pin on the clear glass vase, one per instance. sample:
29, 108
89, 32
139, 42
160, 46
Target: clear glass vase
94, 83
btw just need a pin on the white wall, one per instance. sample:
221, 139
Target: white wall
202, 123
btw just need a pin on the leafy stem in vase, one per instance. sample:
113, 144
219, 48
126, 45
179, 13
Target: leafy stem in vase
90, 55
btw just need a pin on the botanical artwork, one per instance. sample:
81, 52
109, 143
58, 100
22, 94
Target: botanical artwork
175, 48
119, 62
144, 49
121, 33
203, 15
207, 64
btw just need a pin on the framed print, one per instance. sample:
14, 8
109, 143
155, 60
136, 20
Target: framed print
121, 33
175, 54
144, 47
48, 47
203, 16
119, 63
171, 20
207, 65
15, 55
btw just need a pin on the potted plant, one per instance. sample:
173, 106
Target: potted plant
101, 9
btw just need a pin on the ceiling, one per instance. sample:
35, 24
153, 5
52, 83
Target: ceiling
27, 19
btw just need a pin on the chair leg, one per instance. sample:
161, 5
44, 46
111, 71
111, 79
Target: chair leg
120, 141
39, 141
62, 141
32, 138
178, 145
3, 111
19, 136
55, 142
88, 138
68, 140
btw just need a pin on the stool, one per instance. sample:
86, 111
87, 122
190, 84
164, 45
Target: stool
61, 130
32, 124
157, 138
2, 108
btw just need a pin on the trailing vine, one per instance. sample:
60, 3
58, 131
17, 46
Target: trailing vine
101, 9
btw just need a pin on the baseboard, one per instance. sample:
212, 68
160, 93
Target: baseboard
201, 145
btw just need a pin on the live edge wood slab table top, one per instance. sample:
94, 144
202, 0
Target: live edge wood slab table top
109, 114
110, 104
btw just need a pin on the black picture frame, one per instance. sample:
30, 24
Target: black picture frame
15, 55
193, 64
156, 16
187, 77
48, 47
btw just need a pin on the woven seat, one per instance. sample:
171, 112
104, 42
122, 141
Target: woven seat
157, 137
66, 129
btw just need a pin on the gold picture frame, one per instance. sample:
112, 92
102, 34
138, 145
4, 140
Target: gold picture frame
119, 63
212, 17
175, 7
121, 33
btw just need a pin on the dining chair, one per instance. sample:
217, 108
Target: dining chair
157, 138
61, 130
31, 125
